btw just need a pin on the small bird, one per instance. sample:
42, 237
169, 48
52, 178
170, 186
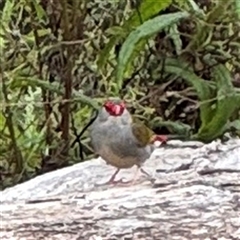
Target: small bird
121, 140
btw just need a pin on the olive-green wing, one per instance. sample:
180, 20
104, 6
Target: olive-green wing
142, 133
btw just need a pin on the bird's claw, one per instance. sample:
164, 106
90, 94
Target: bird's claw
121, 181
116, 182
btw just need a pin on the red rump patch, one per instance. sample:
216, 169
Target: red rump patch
160, 138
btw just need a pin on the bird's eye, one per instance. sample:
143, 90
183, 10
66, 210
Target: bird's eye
108, 105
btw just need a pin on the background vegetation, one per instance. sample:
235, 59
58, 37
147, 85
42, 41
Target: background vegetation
176, 63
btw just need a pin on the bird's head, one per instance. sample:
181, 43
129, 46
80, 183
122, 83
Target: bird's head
115, 107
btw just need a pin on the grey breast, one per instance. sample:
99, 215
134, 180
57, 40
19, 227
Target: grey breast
114, 134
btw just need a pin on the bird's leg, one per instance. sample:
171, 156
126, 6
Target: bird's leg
151, 178
120, 182
130, 182
144, 172
111, 180
126, 183
133, 181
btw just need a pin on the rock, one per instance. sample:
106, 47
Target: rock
195, 195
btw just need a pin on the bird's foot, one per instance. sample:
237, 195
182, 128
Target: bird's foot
120, 182
127, 183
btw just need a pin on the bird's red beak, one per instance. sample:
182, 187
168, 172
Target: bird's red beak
118, 110
115, 109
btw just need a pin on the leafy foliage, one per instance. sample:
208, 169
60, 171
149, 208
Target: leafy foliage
175, 62
146, 10
146, 30
227, 101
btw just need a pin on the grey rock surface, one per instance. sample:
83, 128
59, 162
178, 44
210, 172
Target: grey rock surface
195, 195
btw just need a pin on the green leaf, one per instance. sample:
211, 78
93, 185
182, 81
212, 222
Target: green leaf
52, 87
237, 4
7, 12
2, 118
5, 19
138, 48
205, 89
195, 7
147, 10
21, 82
105, 53
39, 10
175, 36
173, 127
213, 121
216, 13
227, 102
144, 31
180, 3
116, 31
